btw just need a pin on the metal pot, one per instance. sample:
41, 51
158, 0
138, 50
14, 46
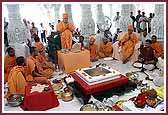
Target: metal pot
67, 95
15, 100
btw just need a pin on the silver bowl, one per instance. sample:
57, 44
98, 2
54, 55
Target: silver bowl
15, 100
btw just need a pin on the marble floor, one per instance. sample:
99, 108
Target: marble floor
75, 105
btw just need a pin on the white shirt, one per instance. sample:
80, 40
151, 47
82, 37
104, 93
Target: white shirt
143, 22
116, 20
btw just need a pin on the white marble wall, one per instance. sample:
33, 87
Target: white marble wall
16, 30
99, 14
56, 11
125, 16
87, 24
157, 23
69, 11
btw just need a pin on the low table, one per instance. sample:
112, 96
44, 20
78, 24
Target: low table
37, 101
70, 61
100, 91
91, 89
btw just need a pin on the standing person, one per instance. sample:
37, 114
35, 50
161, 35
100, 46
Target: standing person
137, 20
27, 30
99, 38
66, 28
33, 31
149, 22
42, 32
143, 22
116, 19
6, 42
133, 20
48, 32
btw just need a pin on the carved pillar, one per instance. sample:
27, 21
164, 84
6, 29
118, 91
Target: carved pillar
16, 29
157, 23
69, 11
48, 8
87, 24
111, 10
56, 11
125, 16
99, 14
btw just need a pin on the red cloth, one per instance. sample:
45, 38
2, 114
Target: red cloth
91, 89
39, 101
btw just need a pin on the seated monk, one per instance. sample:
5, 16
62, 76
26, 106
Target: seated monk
105, 49
9, 62
147, 56
33, 68
93, 49
127, 44
157, 46
38, 44
16, 78
47, 68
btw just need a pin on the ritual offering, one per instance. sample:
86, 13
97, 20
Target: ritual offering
67, 95
89, 107
98, 75
57, 84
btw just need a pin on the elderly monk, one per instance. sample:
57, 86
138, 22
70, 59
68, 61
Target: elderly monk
33, 72
93, 49
16, 78
9, 62
157, 46
127, 44
66, 28
105, 49
46, 67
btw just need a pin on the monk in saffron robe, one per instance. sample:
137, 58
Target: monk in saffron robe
45, 67
16, 79
9, 62
38, 44
127, 44
105, 49
93, 50
66, 28
33, 68
157, 46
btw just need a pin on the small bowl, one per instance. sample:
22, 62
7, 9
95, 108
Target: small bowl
89, 107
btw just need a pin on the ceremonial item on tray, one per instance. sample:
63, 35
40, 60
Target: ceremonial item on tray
98, 74
57, 84
39, 88
67, 95
148, 97
132, 75
68, 79
89, 107
15, 100
76, 48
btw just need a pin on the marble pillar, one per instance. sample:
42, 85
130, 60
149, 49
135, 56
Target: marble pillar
56, 12
125, 16
48, 8
17, 33
99, 15
157, 23
87, 24
69, 11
